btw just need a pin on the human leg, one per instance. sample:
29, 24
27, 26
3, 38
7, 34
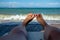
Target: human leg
19, 33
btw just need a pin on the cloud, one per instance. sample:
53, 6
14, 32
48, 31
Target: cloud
48, 4
8, 4
53, 3
30, 4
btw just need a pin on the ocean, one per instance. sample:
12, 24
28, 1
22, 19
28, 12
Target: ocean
15, 11
12, 17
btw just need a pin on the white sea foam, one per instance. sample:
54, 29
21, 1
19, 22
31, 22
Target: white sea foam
21, 17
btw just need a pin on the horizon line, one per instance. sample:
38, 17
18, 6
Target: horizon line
34, 7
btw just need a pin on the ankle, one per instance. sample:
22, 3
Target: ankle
43, 23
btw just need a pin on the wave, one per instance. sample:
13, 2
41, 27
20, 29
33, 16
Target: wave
22, 17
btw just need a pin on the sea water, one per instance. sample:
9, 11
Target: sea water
27, 10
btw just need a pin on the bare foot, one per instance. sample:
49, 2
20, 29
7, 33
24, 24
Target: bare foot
28, 19
40, 19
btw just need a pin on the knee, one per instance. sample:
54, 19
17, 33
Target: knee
17, 31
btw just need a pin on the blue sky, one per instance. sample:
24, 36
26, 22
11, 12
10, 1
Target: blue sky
29, 3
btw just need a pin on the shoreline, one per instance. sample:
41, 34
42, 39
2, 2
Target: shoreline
17, 21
